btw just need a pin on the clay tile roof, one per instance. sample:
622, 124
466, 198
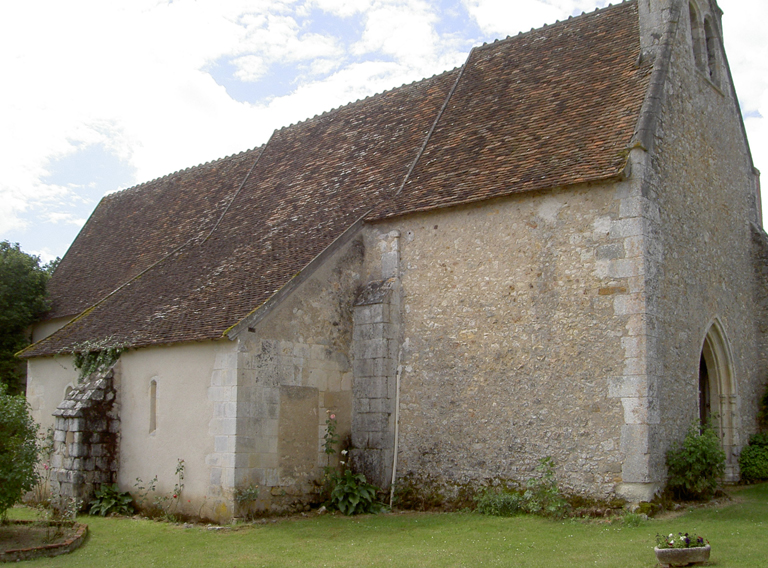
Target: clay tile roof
187, 256
553, 107
310, 183
132, 229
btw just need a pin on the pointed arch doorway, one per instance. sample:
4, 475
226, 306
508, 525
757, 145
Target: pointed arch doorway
717, 393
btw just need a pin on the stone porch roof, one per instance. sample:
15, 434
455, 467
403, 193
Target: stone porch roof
187, 256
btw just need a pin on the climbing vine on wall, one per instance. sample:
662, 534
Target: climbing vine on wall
95, 356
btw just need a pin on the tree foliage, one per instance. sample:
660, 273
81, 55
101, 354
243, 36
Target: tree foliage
696, 466
18, 449
753, 460
23, 300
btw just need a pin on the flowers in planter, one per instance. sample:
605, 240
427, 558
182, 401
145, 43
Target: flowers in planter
680, 541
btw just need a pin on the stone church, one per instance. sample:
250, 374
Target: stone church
555, 249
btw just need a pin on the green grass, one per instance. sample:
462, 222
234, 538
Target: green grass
737, 531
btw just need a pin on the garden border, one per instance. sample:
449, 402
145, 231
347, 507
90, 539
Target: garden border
64, 547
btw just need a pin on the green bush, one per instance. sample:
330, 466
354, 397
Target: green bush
762, 415
109, 500
352, 494
540, 497
697, 465
18, 449
500, 503
753, 460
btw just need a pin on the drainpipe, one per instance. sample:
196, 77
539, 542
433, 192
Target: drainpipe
397, 430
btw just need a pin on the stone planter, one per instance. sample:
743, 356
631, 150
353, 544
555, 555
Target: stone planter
682, 556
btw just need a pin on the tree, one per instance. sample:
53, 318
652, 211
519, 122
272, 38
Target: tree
18, 449
23, 300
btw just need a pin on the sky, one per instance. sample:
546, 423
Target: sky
99, 95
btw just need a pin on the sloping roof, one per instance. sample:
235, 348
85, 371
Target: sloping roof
554, 107
187, 256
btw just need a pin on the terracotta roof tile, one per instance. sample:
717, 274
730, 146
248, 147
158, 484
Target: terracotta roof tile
187, 256
312, 181
552, 107
132, 229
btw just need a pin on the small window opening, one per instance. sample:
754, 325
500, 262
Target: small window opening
711, 37
696, 39
152, 406
705, 402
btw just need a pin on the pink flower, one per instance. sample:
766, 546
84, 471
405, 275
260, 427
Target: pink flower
333, 417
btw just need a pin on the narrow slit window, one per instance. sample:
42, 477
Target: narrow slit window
696, 39
712, 63
152, 406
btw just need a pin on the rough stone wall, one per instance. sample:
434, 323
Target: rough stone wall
85, 439
516, 321
760, 245
375, 350
293, 371
699, 263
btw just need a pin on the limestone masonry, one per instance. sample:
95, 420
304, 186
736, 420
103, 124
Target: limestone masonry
555, 250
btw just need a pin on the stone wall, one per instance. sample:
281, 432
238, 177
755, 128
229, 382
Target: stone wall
700, 270
376, 352
293, 371
85, 440
515, 320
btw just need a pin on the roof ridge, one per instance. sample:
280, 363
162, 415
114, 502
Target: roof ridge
367, 99
522, 34
183, 170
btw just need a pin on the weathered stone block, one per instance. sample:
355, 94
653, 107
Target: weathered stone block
380, 440
373, 331
78, 450
372, 422
359, 437
370, 314
371, 387
372, 349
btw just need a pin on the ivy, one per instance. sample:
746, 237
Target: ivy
95, 357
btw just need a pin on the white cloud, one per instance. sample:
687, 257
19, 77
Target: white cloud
133, 75
277, 38
502, 17
404, 30
342, 8
67, 218
744, 39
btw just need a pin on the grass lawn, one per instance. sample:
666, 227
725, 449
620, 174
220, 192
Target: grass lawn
737, 531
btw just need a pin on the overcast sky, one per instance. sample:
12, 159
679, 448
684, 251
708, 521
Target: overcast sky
99, 95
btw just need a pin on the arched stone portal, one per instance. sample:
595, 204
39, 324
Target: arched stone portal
717, 393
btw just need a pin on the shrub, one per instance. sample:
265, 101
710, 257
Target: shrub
753, 460
697, 465
500, 503
109, 500
540, 497
18, 449
762, 416
352, 494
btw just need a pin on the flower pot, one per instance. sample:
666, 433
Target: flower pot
682, 556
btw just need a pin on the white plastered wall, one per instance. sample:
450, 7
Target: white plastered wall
183, 375
47, 382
